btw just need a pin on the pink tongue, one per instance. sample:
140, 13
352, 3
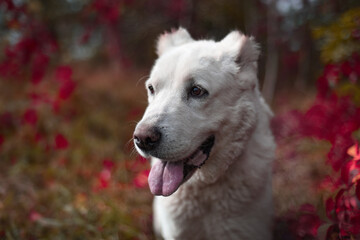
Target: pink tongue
165, 177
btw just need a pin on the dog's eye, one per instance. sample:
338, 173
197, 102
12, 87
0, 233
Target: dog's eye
197, 91
151, 89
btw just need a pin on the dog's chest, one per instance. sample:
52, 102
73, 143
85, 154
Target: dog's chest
209, 222
196, 217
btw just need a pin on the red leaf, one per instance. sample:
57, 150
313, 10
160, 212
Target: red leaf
337, 155
9, 4
66, 89
1, 140
308, 224
345, 171
63, 73
356, 34
328, 80
138, 164
109, 11
354, 151
357, 191
338, 201
330, 207
104, 179
331, 72
6, 120
56, 105
332, 232
357, 68
322, 87
141, 179
140, 159
307, 208
39, 65
329, 183
30, 117
39, 137
177, 8
305, 223
355, 220
346, 68
61, 142
108, 164
35, 216
344, 234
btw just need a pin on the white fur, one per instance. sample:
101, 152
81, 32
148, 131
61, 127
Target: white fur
229, 197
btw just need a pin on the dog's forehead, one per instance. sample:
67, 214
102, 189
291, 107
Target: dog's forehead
181, 64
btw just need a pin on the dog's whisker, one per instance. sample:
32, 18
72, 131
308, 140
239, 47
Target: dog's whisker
130, 141
133, 152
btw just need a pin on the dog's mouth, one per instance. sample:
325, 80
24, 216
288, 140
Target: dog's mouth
166, 176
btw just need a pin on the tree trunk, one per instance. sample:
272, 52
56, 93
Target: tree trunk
272, 54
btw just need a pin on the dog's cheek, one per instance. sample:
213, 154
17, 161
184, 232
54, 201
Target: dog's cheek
232, 126
223, 110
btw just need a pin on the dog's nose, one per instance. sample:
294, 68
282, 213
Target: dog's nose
147, 139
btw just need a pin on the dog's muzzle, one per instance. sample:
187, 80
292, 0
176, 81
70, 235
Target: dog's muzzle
166, 176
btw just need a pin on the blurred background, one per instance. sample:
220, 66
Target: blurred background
71, 90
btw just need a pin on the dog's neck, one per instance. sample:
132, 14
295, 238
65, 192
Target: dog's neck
246, 186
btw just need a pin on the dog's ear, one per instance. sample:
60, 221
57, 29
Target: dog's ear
241, 48
172, 39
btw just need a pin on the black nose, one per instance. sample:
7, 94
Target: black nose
147, 139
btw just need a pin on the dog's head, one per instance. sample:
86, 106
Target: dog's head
202, 108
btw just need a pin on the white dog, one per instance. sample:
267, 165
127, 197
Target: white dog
206, 130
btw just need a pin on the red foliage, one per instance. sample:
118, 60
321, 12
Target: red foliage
104, 178
308, 222
35, 216
30, 56
1, 140
176, 8
39, 65
108, 10
344, 212
108, 164
336, 115
137, 165
334, 119
61, 142
33, 49
333, 73
357, 191
66, 89
328, 183
30, 117
6, 120
141, 179
63, 73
